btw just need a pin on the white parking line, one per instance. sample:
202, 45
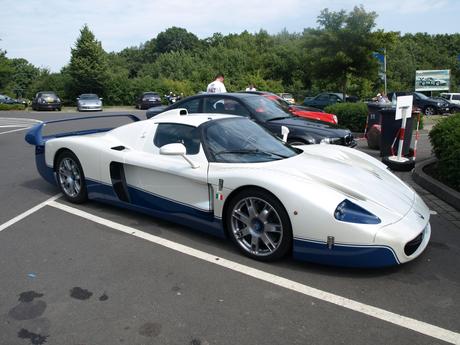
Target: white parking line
14, 130
28, 212
397, 319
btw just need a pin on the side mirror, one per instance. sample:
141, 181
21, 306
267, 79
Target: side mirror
284, 133
177, 149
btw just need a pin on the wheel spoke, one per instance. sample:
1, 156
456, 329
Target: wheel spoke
271, 227
67, 165
63, 171
241, 233
263, 215
238, 214
255, 244
76, 185
251, 208
268, 242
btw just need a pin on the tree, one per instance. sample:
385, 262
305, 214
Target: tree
175, 39
88, 64
6, 69
342, 46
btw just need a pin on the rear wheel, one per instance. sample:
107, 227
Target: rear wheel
71, 178
259, 225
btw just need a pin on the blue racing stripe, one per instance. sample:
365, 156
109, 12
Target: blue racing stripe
345, 255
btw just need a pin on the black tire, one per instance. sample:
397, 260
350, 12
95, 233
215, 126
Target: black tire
429, 111
399, 166
69, 176
249, 230
296, 142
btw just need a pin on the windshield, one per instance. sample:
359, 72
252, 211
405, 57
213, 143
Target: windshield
240, 140
47, 95
265, 109
421, 95
89, 96
283, 104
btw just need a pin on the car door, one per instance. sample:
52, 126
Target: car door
169, 184
193, 105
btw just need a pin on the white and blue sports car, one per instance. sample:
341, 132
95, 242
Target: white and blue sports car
226, 175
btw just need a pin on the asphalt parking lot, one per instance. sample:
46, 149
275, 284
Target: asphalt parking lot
94, 274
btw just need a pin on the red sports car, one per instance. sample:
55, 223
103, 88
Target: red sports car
308, 112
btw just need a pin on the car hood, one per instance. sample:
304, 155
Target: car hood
319, 127
354, 174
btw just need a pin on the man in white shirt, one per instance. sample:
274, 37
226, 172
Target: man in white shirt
217, 86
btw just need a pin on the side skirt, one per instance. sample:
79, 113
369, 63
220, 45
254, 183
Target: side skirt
154, 205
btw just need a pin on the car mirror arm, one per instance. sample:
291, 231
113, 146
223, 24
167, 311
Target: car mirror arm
189, 161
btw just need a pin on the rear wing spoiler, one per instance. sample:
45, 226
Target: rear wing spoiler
34, 135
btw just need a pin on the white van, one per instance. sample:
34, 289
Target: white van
452, 97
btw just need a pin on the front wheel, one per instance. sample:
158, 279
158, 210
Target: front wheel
296, 142
430, 111
71, 178
259, 225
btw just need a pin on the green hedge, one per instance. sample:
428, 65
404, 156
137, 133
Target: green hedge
350, 115
445, 139
11, 106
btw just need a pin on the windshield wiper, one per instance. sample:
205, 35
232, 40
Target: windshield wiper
268, 153
279, 118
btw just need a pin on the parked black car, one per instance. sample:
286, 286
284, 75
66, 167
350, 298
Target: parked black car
46, 100
428, 105
266, 113
324, 99
148, 100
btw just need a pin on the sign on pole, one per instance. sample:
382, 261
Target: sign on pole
432, 80
404, 104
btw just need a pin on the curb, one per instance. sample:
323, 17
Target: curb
443, 192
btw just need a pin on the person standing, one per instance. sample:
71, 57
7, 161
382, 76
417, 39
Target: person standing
217, 86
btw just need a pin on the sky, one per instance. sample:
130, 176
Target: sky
43, 32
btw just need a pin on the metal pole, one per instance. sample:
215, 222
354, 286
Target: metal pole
385, 68
402, 132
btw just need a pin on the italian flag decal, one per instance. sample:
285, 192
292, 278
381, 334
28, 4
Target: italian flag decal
219, 196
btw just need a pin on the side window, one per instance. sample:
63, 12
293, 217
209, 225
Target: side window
192, 106
214, 105
456, 97
323, 97
225, 106
169, 133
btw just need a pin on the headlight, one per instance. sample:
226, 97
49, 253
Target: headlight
352, 213
335, 118
329, 140
41, 100
439, 104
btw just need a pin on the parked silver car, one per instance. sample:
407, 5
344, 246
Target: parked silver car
89, 102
